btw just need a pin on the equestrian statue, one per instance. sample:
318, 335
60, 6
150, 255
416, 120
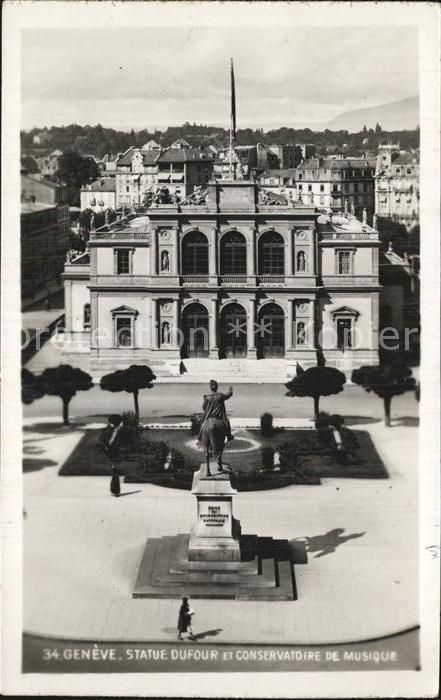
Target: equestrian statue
215, 427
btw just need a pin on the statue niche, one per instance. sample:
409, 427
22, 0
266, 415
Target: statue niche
165, 261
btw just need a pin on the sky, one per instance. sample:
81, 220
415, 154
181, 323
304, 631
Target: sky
159, 76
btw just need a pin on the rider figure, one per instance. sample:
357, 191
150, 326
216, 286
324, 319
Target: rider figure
215, 413
214, 406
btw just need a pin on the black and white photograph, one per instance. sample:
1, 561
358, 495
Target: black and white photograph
220, 311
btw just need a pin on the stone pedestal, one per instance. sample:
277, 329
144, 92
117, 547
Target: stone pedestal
215, 534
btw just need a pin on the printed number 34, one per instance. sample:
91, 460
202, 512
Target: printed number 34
50, 654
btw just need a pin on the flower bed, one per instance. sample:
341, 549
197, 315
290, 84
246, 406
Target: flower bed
170, 458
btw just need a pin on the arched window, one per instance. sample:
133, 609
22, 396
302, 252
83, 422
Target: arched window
86, 316
195, 254
233, 254
271, 254
196, 331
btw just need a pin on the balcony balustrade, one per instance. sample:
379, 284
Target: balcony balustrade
195, 279
233, 279
346, 236
271, 279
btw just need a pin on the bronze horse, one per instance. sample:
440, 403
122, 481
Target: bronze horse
212, 437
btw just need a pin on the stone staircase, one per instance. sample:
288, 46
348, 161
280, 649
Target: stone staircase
233, 370
266, 571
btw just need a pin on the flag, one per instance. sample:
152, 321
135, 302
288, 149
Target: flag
233, 103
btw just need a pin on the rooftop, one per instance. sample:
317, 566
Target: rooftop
183, 155
407, 159
32, 207
104, 184
149, 157
336, 164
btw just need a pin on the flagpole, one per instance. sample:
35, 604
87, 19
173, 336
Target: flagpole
231, 150
232, 117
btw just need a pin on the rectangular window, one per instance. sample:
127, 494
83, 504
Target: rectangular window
344, 334
127, 188
344, 262
300, 176
322, 201
355, 186
309, 188
123, 332
335, 188
346, 186
300, 188
123, 262
322, 188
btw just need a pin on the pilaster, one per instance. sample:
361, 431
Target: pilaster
251, 341
213, 350
154, 323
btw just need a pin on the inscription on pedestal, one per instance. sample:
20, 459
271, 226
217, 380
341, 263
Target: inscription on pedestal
214, 519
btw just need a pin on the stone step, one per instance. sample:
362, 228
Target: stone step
155, 582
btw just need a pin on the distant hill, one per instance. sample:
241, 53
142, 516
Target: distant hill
393, 116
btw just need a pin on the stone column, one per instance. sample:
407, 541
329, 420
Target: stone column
251, 338
311, 329
212, 256
375, 321
68, 305
288, 255
154, 252
212, 331
175, 334
175, 252
153, 324
251, 257
94, 340
289, 345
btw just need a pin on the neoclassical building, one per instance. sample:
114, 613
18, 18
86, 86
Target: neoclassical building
231, 276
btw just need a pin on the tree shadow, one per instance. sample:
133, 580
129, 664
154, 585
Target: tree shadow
207, 633
406, 421
30, 449
360, 420
328, 543
51, 428
129, 493
35, 465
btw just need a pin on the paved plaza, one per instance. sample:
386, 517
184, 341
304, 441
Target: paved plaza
82, 547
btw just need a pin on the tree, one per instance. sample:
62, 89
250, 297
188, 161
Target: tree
378, 129
316, 382
131, 380
75, 171
64, 381
386, 381
31, 387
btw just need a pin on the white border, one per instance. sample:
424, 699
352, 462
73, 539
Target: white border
425, 16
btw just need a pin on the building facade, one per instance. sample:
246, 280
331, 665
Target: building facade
397, 189
44, 235
139, 171
229, 277
99, 195
338, 183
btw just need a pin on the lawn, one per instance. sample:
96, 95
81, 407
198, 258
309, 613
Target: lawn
299, 456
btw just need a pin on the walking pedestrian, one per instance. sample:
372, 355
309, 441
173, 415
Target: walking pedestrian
111, 447
115, 486
185, 619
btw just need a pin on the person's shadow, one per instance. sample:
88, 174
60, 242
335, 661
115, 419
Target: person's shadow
207, 633
328, 543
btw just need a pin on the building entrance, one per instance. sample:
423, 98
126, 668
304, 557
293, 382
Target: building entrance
234, 331
195, 327
270, 336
